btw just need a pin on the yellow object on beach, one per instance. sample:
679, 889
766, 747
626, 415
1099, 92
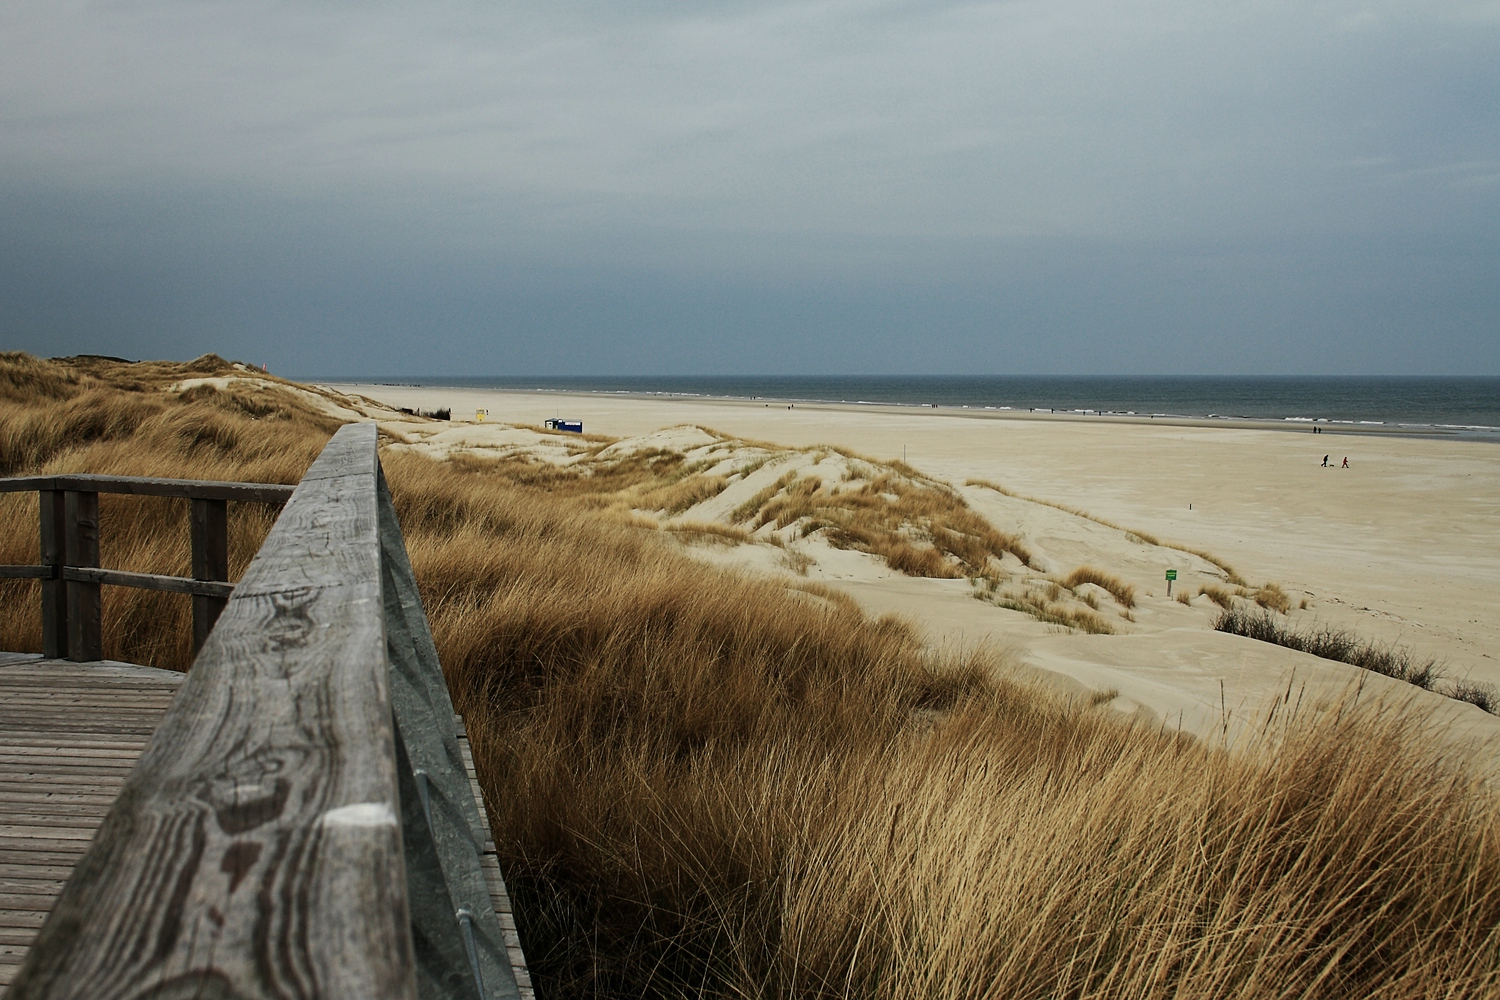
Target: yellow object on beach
479, 415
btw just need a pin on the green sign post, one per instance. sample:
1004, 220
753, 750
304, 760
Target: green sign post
1171, 575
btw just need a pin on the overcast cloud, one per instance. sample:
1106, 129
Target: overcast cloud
1071, 186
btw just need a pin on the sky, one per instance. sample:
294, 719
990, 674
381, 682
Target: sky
576, 187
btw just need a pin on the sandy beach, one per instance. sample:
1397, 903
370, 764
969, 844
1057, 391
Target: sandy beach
1403, 546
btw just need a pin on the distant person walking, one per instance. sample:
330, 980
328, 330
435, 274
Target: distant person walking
1325, 461
1346, 461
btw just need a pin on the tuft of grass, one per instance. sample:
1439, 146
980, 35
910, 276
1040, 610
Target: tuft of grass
1104, 696
1271, 597
751, 507
1218, 595
1481, 696
1118, 588
709, 531
683, 494
1184, 598
1046, 602
1332, 644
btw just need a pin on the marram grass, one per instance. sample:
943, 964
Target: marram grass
706, 785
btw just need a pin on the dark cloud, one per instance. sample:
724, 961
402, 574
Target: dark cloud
755, 187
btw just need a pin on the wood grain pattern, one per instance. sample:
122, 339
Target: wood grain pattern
255, 849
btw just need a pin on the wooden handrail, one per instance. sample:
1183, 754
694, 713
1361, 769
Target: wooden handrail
70, 571
300, 823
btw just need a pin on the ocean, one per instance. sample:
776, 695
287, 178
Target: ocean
1454, 405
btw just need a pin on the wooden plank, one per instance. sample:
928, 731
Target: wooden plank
37, 696
36, 864
98, 672
80, 775
255, 850
65, 756
73, 740
151, 486
148, 581
10, 882
73, 815
119, 725
20, 897
36, 873
53, 712
23, 924
12, 833
59, 745
27, 791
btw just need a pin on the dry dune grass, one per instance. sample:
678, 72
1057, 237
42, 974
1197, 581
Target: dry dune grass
1046, 601
1271, 597
1223, 598
1118, 588
708, 788
704, 785
94, 415
919, 527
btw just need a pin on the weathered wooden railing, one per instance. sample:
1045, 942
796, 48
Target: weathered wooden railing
70, 572
300, 824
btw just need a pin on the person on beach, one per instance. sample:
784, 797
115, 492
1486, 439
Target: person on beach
1346, 461
1325, 461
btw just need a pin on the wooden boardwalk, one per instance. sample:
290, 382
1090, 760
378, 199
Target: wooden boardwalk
69, 734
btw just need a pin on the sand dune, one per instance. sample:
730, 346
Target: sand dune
1402, 547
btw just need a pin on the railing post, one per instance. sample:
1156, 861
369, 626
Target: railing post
210, 533
54, 591
81, 549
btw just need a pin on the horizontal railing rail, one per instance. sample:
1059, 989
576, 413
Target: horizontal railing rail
72, 605
147, 486
300, 824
